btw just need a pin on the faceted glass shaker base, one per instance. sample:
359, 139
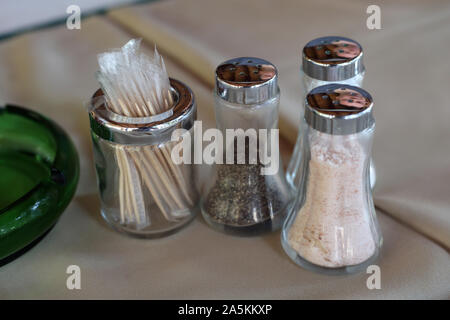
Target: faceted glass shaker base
152, 231
266, 226
352, 269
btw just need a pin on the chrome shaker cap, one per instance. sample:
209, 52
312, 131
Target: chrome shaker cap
246, 80
143, 130
339, 109
332, 58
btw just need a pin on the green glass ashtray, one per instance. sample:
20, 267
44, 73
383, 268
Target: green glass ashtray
39, 170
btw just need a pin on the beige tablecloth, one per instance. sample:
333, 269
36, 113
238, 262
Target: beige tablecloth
407, 74
52, 71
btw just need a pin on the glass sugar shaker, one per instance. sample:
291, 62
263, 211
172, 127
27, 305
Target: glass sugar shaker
247, 195
332, 226
327, 60
143, 192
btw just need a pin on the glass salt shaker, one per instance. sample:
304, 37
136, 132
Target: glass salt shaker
332, 226
247, 195
327, 60
143, 193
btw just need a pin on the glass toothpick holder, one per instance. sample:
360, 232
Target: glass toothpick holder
143, 192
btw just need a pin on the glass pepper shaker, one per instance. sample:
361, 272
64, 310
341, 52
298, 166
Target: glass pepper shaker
332, 226
327, 60
142, 191
248, 193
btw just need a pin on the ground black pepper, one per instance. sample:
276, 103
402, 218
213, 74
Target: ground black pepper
243, 196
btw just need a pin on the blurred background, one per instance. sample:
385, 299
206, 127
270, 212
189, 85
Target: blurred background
22, 15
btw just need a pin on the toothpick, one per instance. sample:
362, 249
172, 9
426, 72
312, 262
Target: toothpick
138, 86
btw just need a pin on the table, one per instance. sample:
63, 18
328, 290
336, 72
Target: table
52, 71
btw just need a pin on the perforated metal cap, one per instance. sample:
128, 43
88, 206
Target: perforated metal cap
246, 80
332, 58
339, 109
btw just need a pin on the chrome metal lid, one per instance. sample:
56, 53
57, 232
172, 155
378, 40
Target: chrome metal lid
246, 80
332, 58
339, 109
143, 130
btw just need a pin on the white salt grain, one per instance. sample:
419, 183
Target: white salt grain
333, 227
